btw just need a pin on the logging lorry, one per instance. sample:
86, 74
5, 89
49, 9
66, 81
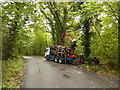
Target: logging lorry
61, 53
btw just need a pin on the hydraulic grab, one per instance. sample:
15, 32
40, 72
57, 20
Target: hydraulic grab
61, 53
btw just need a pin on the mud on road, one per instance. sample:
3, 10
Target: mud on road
48, 74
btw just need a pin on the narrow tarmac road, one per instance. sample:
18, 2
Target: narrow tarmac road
48, 74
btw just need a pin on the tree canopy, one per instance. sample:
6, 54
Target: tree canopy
29, 27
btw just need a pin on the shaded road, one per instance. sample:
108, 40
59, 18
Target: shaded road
48, 74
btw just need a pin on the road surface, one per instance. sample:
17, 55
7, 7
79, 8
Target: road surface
48, 74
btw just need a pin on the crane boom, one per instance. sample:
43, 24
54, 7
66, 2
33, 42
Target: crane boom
68, 36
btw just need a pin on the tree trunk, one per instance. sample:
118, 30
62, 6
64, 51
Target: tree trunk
86, 41
119, 34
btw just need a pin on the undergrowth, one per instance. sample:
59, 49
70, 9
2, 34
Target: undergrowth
102, 69
12, 72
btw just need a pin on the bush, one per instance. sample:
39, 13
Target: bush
12, 72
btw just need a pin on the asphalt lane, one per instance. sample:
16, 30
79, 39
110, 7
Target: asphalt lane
48, 74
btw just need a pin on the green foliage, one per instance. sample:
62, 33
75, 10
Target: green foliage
104, 44
14, 16
103, 69
12, 72
28, 28
19, 35
58, 15
103, 30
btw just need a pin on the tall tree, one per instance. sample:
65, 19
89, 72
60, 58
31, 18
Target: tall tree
14, 17
119, 34
86, 41
57, 17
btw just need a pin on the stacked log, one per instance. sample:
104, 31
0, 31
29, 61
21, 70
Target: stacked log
59, 50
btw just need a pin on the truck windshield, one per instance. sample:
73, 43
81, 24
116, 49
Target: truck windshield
46, 50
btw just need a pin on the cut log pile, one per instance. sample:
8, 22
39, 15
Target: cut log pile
59, 50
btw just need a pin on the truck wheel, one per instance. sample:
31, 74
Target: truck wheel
63, 61
55, 60
60, 61
47, 58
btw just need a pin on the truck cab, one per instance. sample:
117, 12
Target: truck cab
47, 52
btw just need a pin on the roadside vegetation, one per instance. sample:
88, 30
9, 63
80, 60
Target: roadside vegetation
29, 27
103, 70
12, 72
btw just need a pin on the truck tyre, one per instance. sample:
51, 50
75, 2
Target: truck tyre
62, 61
53, 59
47, 58
57, 60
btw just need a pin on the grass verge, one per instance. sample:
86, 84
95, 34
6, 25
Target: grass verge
101, 69
12, 72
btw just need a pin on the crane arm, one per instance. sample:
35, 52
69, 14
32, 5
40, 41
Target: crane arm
68, 36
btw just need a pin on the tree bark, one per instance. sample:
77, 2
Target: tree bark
119, 34
86, 42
